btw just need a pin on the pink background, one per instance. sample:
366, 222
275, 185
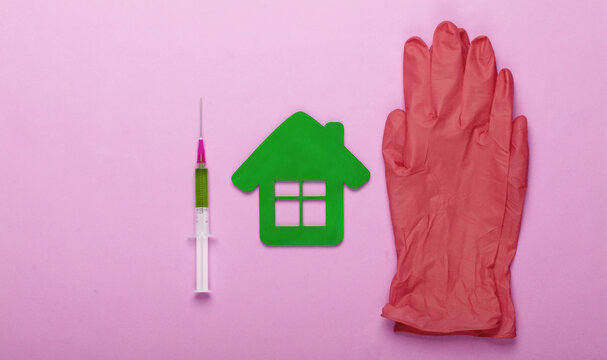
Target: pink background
98, 111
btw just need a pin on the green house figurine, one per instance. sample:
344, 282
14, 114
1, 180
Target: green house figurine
301, 150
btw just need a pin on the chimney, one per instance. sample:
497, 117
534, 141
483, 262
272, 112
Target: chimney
335, 130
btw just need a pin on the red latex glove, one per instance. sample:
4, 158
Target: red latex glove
456, 172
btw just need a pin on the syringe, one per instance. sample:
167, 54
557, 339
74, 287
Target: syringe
202, 217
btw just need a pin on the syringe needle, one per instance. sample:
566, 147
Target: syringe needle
201, 118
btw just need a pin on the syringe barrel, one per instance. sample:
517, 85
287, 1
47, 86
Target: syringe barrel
202, 186
202, 249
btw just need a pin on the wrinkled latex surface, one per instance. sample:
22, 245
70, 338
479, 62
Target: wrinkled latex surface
456, 173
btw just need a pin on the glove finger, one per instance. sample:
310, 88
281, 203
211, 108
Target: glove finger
416, 81
479, 83
447, 69
394, 139
463, 35
500, 119
519, 160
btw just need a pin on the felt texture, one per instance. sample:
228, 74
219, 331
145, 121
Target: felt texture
301, 150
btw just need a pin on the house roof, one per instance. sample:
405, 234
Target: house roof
302, 149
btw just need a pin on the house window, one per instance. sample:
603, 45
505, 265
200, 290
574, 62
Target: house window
300, 203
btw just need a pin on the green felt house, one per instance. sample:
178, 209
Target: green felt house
301, 150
